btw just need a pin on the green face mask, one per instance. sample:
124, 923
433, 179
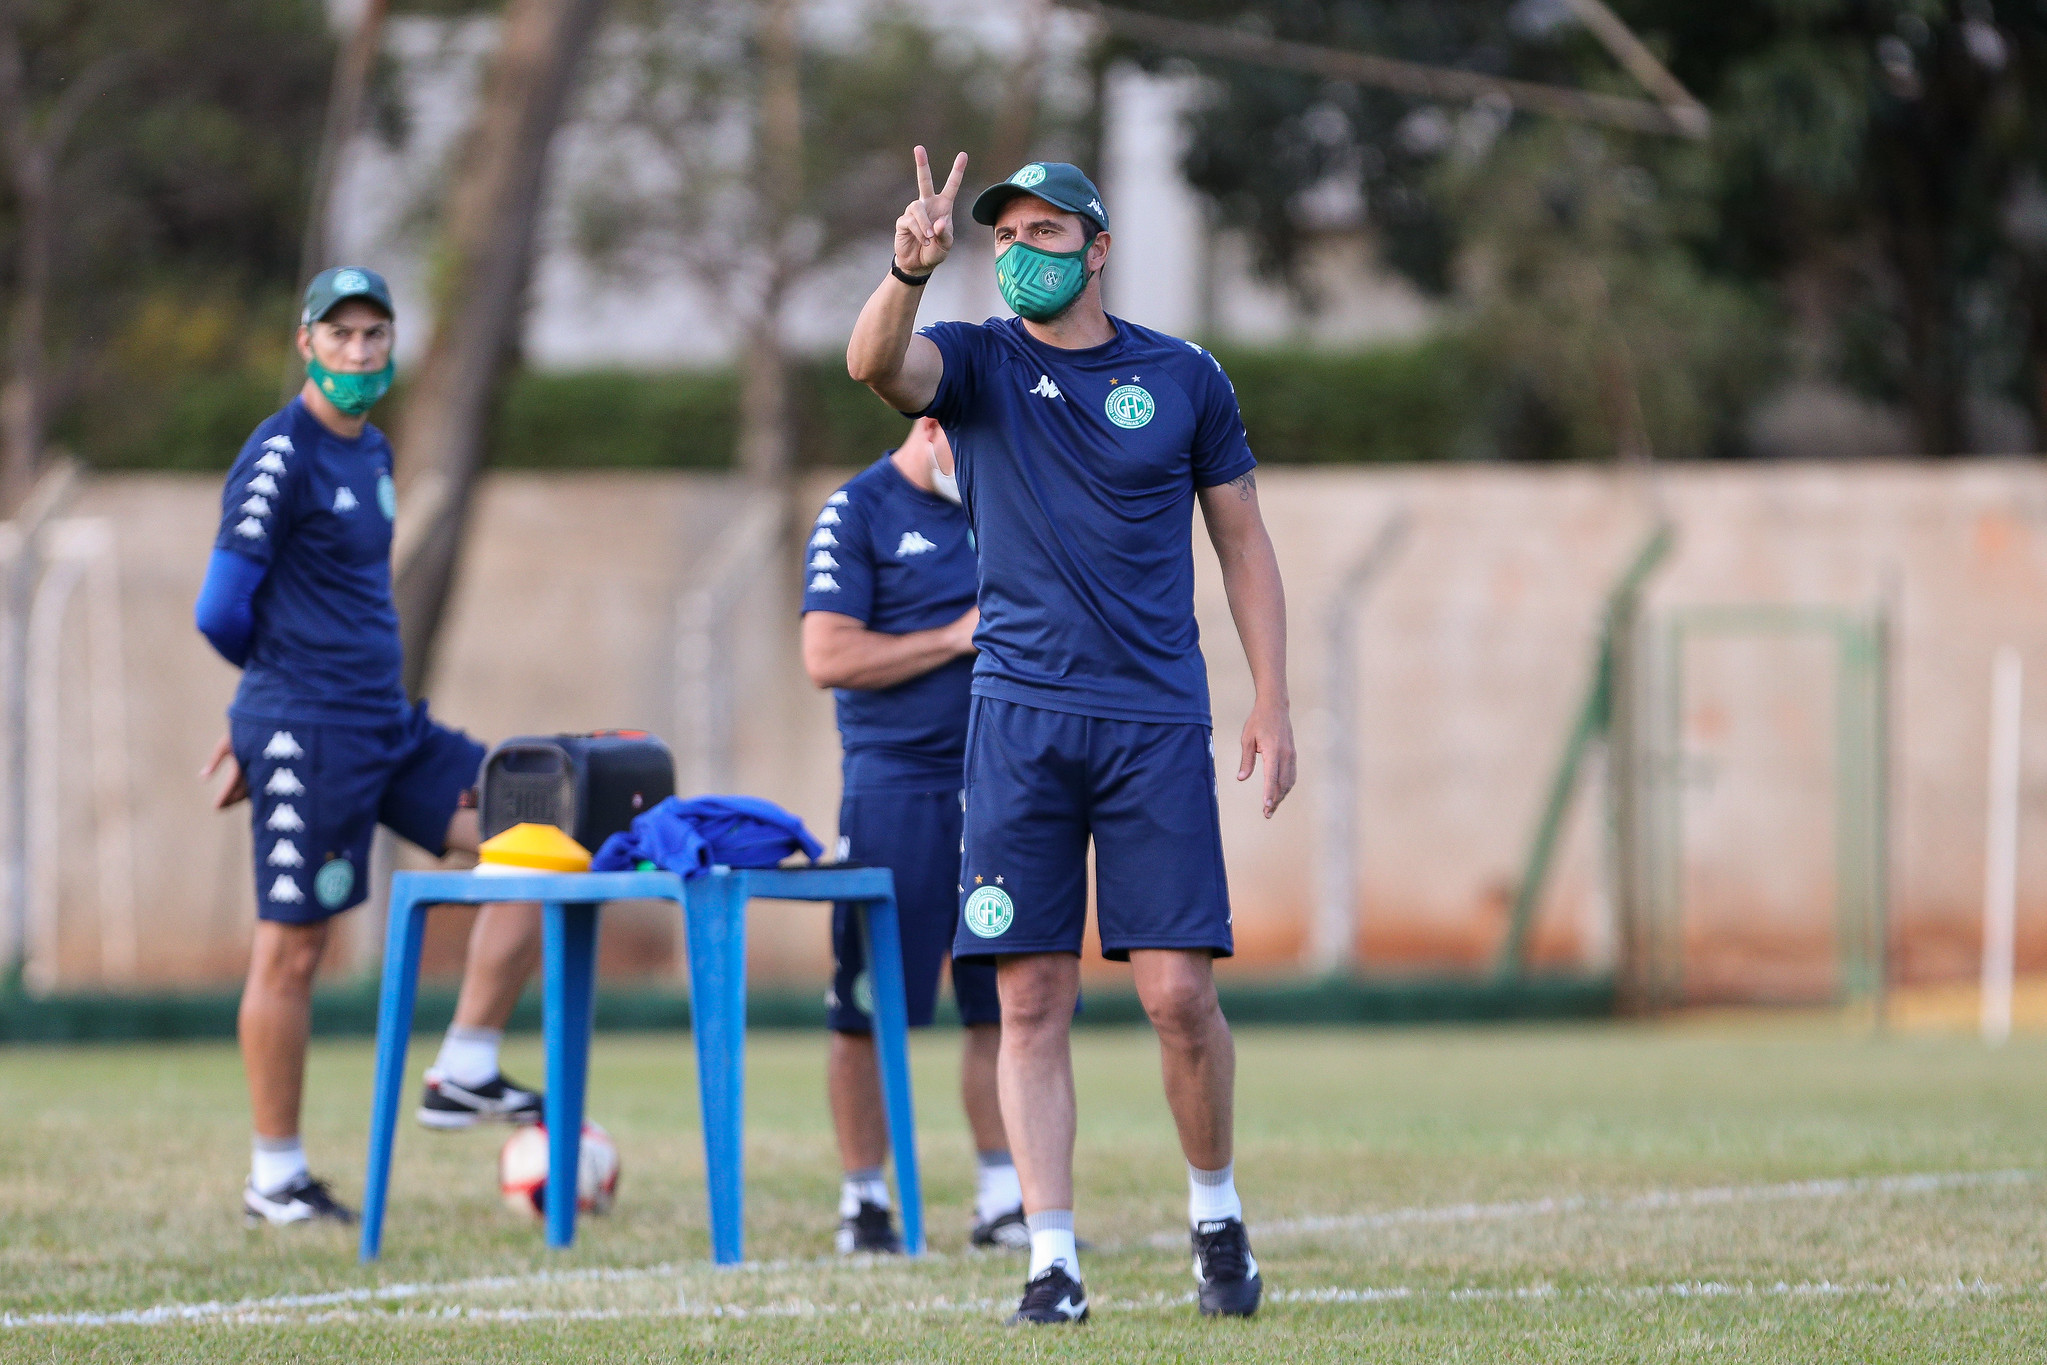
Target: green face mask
1040, 285
354, 394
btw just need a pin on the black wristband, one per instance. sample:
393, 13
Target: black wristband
914, 281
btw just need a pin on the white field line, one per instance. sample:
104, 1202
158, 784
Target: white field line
1654, 1200
282, 1306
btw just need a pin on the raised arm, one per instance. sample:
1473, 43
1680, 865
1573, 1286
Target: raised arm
1258, 606
885, 353
839, 651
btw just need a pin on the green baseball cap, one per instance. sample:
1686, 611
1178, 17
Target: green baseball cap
1057, 183
341, 283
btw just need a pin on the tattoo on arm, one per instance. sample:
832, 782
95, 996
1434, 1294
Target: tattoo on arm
1245, 483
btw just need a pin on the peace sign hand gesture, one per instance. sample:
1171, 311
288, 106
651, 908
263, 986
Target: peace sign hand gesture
924, 232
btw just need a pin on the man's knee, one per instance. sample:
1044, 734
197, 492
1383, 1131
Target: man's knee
286, 956
1181, 1003
1037, 993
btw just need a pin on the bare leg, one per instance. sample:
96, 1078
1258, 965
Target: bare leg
978, 1091
504, 948
1034, 1072
853, 1084
1196, 1052
275, 1019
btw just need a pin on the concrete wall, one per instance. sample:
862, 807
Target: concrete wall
1473, 652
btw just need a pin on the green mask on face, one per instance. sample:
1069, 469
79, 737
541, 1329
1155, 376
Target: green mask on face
1040, 285
356, 393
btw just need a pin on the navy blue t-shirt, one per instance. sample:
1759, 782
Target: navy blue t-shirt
315, 510
896, 559
1079, 469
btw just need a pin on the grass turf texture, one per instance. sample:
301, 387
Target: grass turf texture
1573, 1193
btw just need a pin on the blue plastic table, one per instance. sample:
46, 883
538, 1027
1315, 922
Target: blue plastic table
714, 911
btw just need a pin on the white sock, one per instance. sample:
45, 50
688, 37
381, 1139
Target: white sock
275, 1163
469, 1056
862, 1187
1212, 1195
1052, 1242
996, 1187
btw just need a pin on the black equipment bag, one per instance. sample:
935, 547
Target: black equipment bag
588, 786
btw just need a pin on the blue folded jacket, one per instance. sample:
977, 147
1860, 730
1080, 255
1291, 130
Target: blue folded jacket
692, 836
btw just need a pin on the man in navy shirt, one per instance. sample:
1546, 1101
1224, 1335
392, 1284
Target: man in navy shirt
888, 623
323, 741
1082, 443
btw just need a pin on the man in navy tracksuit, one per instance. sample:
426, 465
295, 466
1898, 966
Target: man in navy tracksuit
888, 602
323, 742
1083, 445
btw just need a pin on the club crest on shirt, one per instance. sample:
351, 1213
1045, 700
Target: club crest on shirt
989, 912
1129, 406
823, 582
344, 499
913, 543
387, 497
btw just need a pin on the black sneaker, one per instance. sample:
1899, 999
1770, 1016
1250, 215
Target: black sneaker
871, 1231
1006, 1231
305, 1200
1225, 1269
448, 1105
1053, 1297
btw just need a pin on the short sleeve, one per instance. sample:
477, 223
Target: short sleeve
959, 346
838, 560
1221, 450
256, 503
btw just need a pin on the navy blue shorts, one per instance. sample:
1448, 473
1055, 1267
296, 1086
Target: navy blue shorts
318, 791
1040, 784
916, 835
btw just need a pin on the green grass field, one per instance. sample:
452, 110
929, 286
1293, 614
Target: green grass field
1775, 1190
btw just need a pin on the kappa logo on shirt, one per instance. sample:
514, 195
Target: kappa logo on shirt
823, 539
1046, 388
823, 560
280, 444
249, 528
282, 745
344, 500
285, 853
913, 543
285, 820
828, 517
257, 505
824, 582
285, 890
263, 484
270, 463
838, 499
284, 782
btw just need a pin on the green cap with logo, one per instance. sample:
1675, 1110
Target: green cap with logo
331, 288
1056, 182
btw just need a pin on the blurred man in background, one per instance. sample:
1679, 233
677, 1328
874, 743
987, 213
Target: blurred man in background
888, 622
1082, 444
322, 738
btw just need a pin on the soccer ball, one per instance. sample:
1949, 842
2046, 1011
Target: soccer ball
522, 1170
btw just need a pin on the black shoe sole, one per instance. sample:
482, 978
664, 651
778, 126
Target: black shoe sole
1242, 1303
1019, 1320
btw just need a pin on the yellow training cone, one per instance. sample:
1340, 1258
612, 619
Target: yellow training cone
533, 848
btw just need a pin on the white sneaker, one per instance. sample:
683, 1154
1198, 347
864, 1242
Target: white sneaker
305, 1200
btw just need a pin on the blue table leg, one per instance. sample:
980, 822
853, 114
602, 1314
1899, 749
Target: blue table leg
569, 971
716, 911
398, 993
892, 1054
